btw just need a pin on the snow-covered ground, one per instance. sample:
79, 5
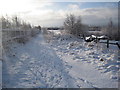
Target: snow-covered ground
64, 61
0, 57
0, 75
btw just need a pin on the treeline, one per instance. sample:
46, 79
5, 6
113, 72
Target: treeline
16, 30
73, 25
14, 22
112, 31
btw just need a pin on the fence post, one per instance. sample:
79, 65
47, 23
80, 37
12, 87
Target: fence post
107, 43
118, 44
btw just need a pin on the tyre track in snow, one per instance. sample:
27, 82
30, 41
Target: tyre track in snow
36, 65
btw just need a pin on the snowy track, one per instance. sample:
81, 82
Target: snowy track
35, 65
38, 64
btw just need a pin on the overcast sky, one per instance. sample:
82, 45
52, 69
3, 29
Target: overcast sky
53, 12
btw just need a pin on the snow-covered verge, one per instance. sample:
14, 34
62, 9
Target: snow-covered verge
87, 59
64, 61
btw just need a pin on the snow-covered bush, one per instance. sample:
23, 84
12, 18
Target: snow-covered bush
73, 25
17, 30
111, 30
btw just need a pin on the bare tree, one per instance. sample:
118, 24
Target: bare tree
73, 25
78, 26
69, 23
112, 30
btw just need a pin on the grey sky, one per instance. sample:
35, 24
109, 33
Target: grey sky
53, 12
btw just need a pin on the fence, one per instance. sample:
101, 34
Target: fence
11, 34
108, 42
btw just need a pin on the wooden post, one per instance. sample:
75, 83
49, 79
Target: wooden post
118, 45
107, 43
83, 36
96, 39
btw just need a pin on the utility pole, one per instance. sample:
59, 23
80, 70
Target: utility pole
107, 43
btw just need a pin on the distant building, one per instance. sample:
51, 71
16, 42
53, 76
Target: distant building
94, 28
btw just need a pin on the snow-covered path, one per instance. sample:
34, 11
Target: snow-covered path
38, 65
35, 65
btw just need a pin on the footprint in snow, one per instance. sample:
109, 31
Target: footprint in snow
78, 86
78, 58
114, 77
84, 60
68, 66
72, 53
111, 68
87, 82
88, 61
24, 57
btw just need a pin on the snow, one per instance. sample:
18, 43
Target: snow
0, 74
0, 56
110, 41
55, 31
86, 38
93, 36
64, 62
102, 37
